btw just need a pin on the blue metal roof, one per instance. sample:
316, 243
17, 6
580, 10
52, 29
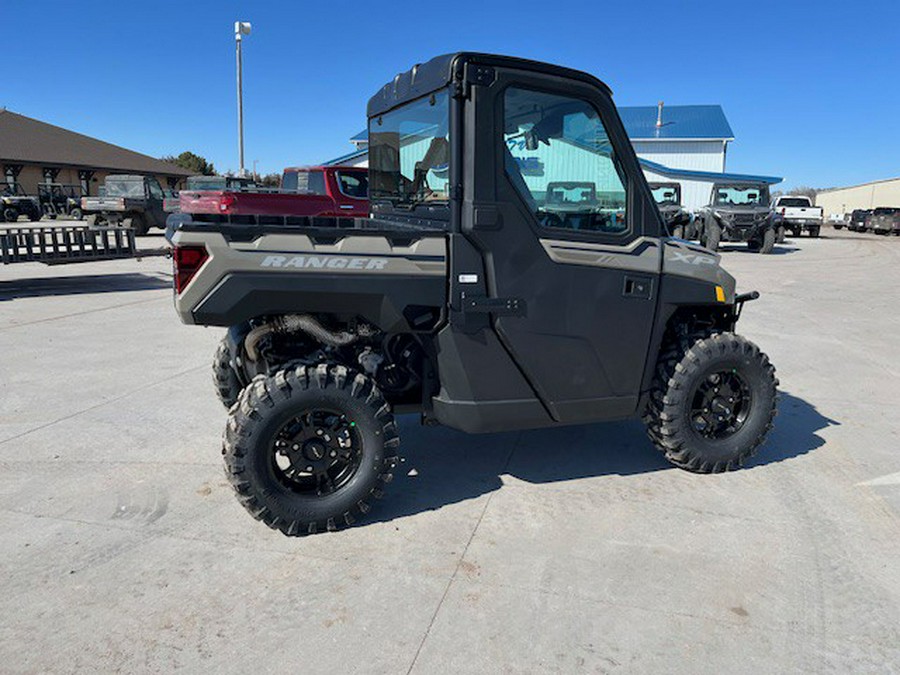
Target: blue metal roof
713, 176
679, 122
361, 136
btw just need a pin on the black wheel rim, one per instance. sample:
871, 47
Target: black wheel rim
721, 405
317, 452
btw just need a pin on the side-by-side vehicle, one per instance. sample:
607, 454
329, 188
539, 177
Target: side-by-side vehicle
514, 273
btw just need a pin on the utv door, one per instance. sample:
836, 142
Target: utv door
557, 205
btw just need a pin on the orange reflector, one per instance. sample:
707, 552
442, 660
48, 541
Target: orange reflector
720, 294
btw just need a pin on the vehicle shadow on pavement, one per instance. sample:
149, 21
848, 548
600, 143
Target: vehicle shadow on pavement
780, 249
441, 466
80, 285
795, 432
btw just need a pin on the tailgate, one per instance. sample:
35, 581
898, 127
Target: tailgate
255, 203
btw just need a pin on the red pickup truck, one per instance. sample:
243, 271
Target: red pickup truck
306, 191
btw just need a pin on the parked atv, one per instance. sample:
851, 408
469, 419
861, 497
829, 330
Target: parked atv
59, 200
16, 203
679, 220
470, 297
738, 212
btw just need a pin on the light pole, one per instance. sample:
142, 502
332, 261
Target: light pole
241, 28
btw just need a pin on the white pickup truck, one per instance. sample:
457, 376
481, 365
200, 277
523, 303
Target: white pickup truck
796, 213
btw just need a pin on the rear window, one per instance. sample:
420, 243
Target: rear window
885, 211
305, 182
794, 202
124, 188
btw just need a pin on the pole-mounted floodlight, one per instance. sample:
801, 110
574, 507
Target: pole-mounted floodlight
241, 28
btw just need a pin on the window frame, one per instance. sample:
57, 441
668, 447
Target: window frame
542, 231
337, 179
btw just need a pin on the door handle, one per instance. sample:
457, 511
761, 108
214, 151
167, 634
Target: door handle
638, 287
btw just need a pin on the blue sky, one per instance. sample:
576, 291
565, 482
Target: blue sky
811, 88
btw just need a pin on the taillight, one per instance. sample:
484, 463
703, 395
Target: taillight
226, 202
188, 259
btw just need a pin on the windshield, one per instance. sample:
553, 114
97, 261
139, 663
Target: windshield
124, 188
794, 202
666, 195
741, 195
409, 152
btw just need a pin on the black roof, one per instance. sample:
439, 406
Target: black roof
424, 78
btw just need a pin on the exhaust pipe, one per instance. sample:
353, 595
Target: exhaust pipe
293, 323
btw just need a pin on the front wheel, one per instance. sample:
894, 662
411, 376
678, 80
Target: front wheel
768, 241
309, 448
713, 236
10, 215
76, 214
712, 402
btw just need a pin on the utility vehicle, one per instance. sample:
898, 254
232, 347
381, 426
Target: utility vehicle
127, 201
738, 212
60, 200
461, 299
679, 220
14, 203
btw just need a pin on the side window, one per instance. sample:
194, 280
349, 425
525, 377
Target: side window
155, 190
558, 156
354, 185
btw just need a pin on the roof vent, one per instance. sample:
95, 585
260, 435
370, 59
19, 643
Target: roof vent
659, 107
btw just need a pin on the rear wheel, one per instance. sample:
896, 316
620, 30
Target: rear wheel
137, 223
228, 385
309, 448
712, 402
814, 231
75, 214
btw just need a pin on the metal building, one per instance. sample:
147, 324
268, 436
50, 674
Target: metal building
840, 201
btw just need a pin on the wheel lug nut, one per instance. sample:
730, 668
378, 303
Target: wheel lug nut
295, 447
333, 453
309, 469
318, 432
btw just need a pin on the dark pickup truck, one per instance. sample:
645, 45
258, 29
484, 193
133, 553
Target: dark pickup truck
135, 202
481, 294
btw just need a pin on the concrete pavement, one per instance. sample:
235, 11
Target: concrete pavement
567, 550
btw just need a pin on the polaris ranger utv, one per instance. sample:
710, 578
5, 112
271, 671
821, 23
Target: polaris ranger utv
738, 212
468, 297
679, 220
